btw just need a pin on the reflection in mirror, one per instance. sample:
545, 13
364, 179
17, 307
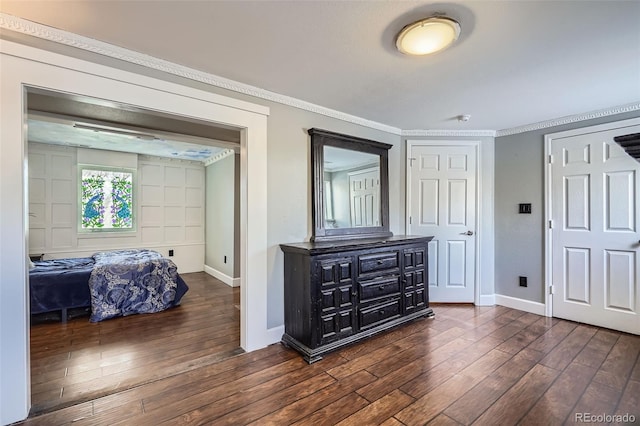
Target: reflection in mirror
351, 188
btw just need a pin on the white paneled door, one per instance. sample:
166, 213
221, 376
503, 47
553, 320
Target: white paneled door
442, 193
364, 193
594, 195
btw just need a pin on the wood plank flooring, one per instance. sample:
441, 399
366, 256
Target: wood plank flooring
79, 361
469, 365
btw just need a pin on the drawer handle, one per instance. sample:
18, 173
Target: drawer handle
381, 312
380, 262
381, 287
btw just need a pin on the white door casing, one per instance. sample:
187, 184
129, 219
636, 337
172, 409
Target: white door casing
364, 195
24, 66
442, 202
592, 263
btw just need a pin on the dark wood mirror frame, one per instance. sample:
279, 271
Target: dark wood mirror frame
320, 139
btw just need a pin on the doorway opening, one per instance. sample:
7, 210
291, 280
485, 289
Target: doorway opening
179, 164
443, 200
592, 190
26, 67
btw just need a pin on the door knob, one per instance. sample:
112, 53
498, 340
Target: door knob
469, 233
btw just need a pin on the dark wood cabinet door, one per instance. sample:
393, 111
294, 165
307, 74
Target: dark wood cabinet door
414, 280
337, 299
341, 292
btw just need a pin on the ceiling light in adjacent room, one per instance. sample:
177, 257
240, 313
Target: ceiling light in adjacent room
427, 36
115, 131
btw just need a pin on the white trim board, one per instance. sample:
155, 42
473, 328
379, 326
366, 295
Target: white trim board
487, 300
230, 281
548, 241
520, 304
449, 133
13, 23
24, 67
23, 26
220, 156
275, 333
481, 227
570, 119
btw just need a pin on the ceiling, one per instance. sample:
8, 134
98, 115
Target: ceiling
63, 132
339, 159
71, 120
516, 62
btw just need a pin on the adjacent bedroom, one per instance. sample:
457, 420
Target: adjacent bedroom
133, 244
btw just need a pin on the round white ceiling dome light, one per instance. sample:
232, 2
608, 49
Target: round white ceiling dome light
427, 36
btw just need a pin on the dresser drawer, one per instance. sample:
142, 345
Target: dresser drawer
376, 314
380, 287
379, 262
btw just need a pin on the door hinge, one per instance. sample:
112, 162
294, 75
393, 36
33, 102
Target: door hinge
551, 224
411, 159
550, 159
552, 289
409, 220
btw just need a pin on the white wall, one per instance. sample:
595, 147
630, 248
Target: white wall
168, 202
221, 221
520, 166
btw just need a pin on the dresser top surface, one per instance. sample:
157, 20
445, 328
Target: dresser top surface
354, 244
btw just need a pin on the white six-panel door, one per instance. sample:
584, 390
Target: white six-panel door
594, 230
442, 203
364, 193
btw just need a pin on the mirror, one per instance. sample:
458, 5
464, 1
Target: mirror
350, 187
351, 182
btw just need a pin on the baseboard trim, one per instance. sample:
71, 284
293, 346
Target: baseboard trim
274, 335
520, 304
230, 281
487, 300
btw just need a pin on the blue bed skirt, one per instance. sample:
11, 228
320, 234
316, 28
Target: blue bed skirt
61, 284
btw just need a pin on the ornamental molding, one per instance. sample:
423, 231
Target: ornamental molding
570, 119
23, 26
219, 156
449, 133
156, 159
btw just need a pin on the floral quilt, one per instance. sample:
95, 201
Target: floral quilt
126, 282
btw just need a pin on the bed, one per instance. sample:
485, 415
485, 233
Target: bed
114, 283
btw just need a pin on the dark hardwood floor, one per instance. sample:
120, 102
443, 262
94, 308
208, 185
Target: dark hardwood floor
469, 365
79, 361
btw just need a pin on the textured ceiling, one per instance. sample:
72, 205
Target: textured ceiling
57, 133
93, 123
516, 63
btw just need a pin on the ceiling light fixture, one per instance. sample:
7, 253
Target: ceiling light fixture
428, 35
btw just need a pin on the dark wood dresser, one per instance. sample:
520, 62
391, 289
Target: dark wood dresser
339, 292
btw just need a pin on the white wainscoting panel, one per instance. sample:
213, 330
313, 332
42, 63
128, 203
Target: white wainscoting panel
169, 206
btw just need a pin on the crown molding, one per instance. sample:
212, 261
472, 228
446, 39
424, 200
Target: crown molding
219, 156
148, 157
449, 133
570, 119
23, 26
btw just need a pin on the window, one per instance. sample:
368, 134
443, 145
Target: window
106, 199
